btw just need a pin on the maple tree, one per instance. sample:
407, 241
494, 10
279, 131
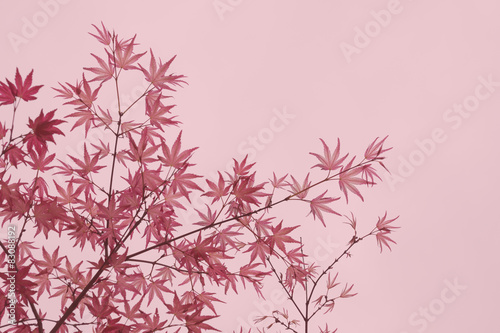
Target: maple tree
145, 271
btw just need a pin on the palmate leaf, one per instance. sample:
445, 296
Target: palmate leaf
384, 240
174, 156
104, 72
279, 236
348, 180
24, 89
157, 74
320, 204
7, 94
43, 129
329, 161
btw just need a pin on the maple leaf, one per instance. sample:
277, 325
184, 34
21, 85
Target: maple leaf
43, 131
383, 224
67, 195
200, 249
351, 221
329, 305
263, 225
384, 229
157, 111
329, 161
178, 309
64, 92
3, 131
172, 199
368, 173
151, 323
244, 190
123, 284
383, 240
258, 248
195, 322
24, 89
280, 236
110, 211
156, 288
293, 275
375, 149
208, 299
104, 72
85, 117
24, 248
80, 94
157, 74
218, 190
346, 292
133, 313
104, 35
278, 183
182, 182
102, 150
88, 165
332, 282
138, 281
140, 152
296, 255
300, 191
50, 262
125, 56
208, 218
326, 330
86, 97
242, 169
40, 161
227, 237
14, 155
254, 276
319, 205
47, 214
175, 157
72, 273
100, 307
42, 280
348, 180
7, 94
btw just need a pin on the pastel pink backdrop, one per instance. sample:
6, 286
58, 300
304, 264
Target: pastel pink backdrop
262, 57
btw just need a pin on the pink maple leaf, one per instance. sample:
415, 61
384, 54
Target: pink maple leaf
157, 74
24, 89
280, 236
348, 180
329, 161
320, 205
43, 130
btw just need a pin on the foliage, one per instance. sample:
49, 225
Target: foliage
118, 203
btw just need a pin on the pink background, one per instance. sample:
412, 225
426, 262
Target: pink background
273, 55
